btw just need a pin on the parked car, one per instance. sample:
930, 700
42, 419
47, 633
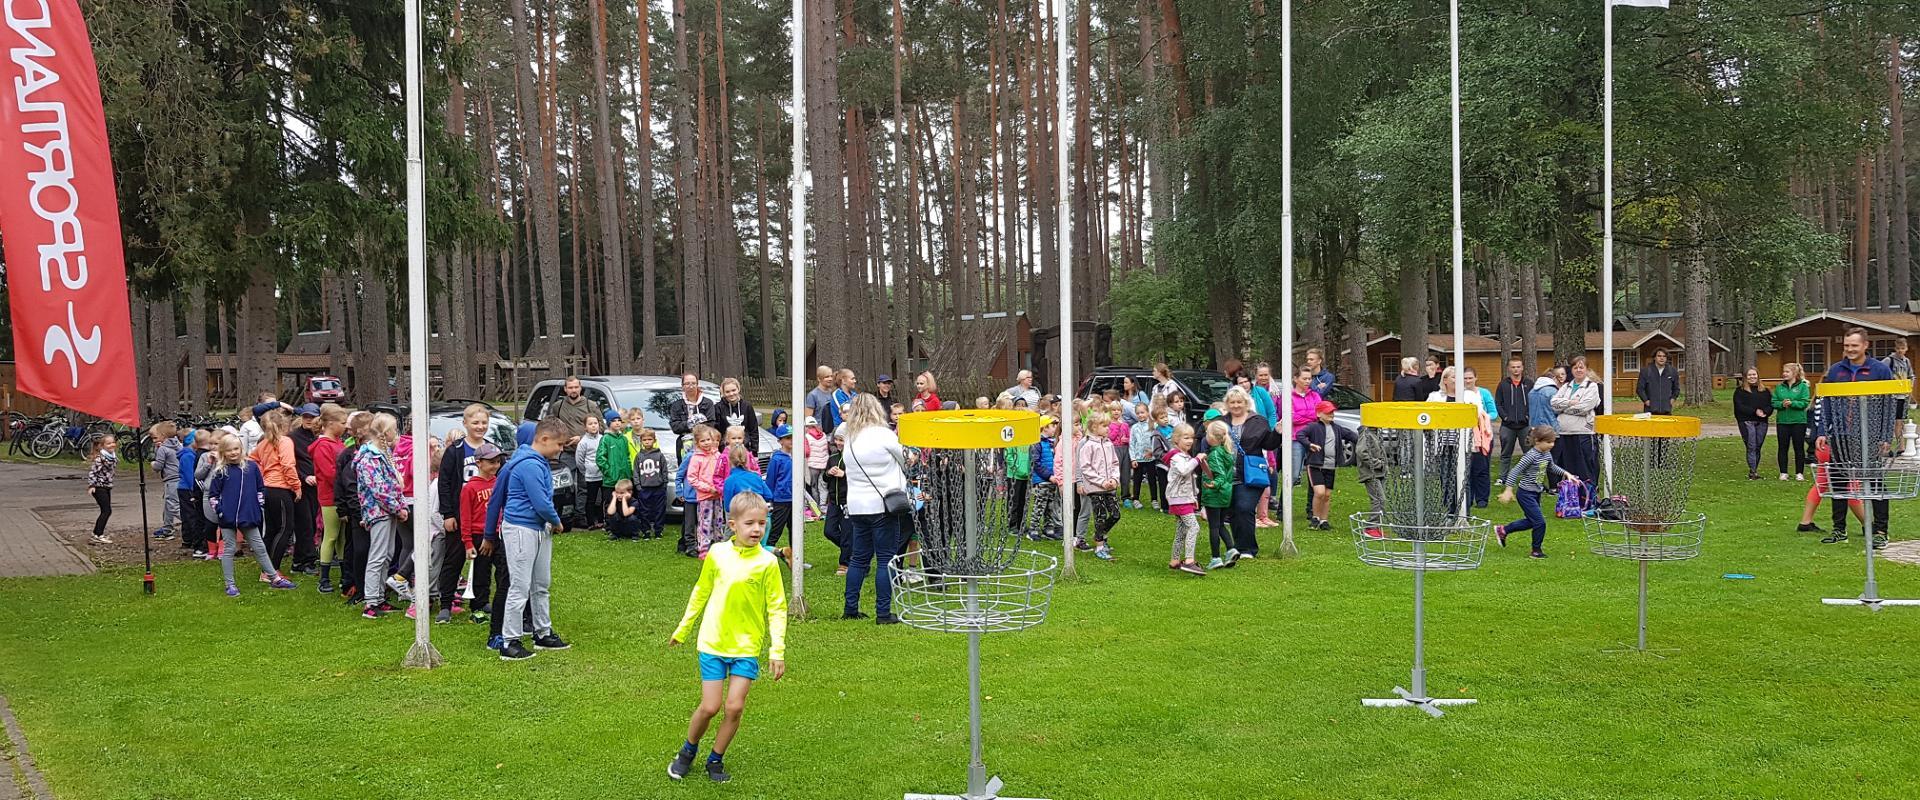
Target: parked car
1204, 387
325, 389
446, 417
653, 395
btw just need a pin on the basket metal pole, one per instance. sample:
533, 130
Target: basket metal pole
1418, 698
976, 768
1643, 605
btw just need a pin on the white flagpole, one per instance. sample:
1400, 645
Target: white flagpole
1606, 226
1459, 258
797, 312
1064, 459
1285, 489
422, 654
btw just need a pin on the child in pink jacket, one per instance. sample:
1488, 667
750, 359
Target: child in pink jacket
1097, 478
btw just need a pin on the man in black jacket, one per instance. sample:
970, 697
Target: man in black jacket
1511, 399
689, 409
1409, 387
1659, 385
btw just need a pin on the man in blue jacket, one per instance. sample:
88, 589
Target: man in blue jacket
521, 517
1840, 421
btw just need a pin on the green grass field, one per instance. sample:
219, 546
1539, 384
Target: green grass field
1143, 684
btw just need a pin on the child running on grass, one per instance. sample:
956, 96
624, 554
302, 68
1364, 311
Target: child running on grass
238, 505
1216, 495
1183, 497
100, 483
741, 603
1099, 469
1525, 477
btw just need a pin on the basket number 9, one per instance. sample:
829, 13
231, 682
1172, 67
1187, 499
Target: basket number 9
1425, 419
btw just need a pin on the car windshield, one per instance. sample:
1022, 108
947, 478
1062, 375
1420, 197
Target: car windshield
1206, 388
1344, 398
327, 385
654, 402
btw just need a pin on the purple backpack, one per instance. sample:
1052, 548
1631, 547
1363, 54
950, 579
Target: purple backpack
1573, 500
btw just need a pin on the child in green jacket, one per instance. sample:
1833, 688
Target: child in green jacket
615, 456
1019, 462
1216, 494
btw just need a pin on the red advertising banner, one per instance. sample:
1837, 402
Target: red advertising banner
59, 218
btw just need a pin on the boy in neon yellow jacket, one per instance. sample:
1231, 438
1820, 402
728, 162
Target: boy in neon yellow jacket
741, 603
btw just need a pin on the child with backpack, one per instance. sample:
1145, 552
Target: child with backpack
1045, 500
1524, 479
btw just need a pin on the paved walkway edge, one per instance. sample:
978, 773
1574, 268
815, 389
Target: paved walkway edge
19, 760
86, 563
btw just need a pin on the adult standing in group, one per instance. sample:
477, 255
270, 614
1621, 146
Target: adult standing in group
1432, 380
847, 387
733, 409
1856, 366
874, 463
1250, 437
1480, 461
574, 409
1510, 405
1752, 405
1575, 404
820, 399
1266, 393
1409, 386
1322, 377
1306, 405
1792, 397
883, 391
1540, 400
690, 409
1132, 395
306, 552
1163, 384
1023, 390
1658, 385
926, 392
250, 431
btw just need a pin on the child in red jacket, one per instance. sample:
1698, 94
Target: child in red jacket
489, 565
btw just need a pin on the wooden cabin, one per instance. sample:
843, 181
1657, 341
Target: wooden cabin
1814, 341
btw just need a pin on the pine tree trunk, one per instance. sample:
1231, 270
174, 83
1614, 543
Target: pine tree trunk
766, 263
1698, 383
374, 340
540, 192
1414, 322
1883, 268
195, 302
1900, 257
618, 302
259, 335
1527, 283
1862, 226
643, 133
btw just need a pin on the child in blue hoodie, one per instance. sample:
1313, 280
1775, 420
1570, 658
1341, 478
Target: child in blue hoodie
239, 497
738, 458
780, 483
1045, 499
689, 498
521, 517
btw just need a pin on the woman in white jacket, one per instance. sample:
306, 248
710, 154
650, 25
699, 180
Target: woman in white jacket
873, 463
1575, 404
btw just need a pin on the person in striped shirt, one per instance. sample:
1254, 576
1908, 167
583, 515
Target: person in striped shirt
1524, 479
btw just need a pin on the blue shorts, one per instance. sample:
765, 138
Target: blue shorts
717, 668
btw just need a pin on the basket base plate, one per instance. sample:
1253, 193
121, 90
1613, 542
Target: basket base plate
1656, 652
991, 792
1874, 604
1431, 705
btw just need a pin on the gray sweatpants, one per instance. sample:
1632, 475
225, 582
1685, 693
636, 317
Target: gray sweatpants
170, 511
1186, 532
373, 584
529, 573
1376, 495
230, 541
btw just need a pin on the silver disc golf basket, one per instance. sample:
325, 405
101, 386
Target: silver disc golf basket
1861, 421
1421, 528
970, 575
1641, 504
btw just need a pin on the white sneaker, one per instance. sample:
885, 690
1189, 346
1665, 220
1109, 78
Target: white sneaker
1798, 476
1783, 476
400, 588
102, 540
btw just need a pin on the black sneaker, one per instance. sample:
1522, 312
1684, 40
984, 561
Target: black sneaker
887, 620
550, 642
680, 766
717, 772
853, 615
1536, 554
1835, 538
514, 651
1808, 527
1879, 541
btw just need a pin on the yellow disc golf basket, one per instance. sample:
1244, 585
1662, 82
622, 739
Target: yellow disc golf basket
1861, 422
1640, 514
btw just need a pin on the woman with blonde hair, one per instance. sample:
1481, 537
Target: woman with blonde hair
1791, 399
876, 500
926, 391
1249, 437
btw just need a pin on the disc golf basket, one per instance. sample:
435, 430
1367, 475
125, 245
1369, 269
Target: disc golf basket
970, 575
1642, 510
1420, 528
1860, 421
